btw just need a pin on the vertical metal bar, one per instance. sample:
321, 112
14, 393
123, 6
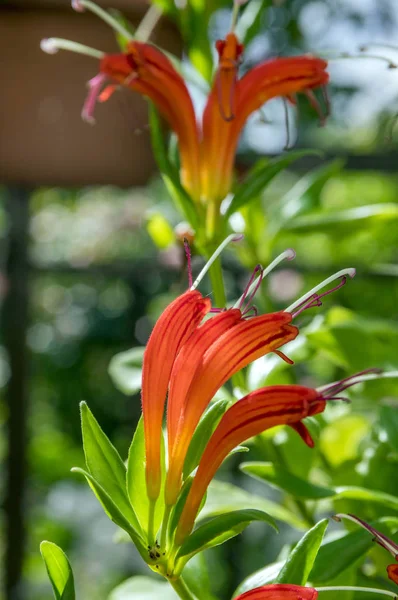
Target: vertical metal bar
14, 326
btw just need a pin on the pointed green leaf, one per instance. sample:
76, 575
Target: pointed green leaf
305, 195
260, 176
197, 577
366, 495
281, 479
336, 555
301, 560
105, 465
125, 370
351, 219
177, 510
59, 571
223, 497
113, 511
222, 528
136, 481
143, 588
203, 433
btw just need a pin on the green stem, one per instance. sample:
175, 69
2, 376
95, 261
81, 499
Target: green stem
181, 588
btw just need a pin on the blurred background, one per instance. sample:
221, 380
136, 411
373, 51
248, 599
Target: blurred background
88, 262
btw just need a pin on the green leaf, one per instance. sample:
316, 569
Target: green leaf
113, 511
202, 434
281, 479
197, 578
222, 528
336, 555
260, 176
143, 588
389, 424
105, 465
366, 495
136, 481
170, 175
178, 508
305, 195
352, 219
223, 497
125, 370
59, 571
301, 560
264, 576
250, 20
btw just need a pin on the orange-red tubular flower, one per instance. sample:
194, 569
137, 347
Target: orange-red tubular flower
145, 69
233, 350
207, 152
260, 410
187, 363
280, 591
232, 101
171, 331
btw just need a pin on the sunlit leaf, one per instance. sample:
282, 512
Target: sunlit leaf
336, 555
222, 528
136, 481
59, 571
105, 465
203, 433
300, 561
224, 497
260, 176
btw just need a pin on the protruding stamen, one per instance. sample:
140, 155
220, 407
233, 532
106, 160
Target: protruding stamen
189, 262
95, 84
235, 12
52, 45
234, 237
251, 289
148, 23
287, 127
315, 300
332, 389
288, 254
312, 294
347, 56
352, 588
380, 538
80, 5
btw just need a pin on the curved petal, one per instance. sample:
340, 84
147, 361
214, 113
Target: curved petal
171, 331
392, 571
188, 362
256, 412
146, 70
280, 591
276, 77
234, 350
